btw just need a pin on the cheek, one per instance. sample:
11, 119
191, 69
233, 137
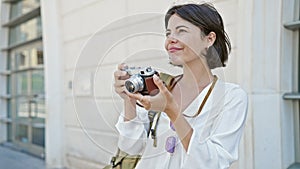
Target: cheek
166, 44
187, 42
196, 46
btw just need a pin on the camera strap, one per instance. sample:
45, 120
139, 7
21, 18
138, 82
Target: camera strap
205, 98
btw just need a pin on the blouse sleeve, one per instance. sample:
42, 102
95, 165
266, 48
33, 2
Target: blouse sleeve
220, 148
133, 133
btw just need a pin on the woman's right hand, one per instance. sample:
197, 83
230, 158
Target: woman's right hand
129, 103
120, 77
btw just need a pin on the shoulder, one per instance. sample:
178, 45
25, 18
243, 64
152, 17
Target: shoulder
235, 89
232, 91
231, 100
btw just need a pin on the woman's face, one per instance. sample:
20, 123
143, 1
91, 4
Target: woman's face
184, 41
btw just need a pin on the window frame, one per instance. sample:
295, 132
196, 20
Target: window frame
8, 120
295, 95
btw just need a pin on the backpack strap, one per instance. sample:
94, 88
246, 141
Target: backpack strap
153, 126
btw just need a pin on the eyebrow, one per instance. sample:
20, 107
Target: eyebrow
177, 27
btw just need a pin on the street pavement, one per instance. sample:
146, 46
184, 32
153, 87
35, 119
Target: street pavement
11, 159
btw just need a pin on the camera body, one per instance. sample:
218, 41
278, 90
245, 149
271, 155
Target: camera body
141, 80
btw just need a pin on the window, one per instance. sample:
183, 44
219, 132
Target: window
26, 31
24, 72
19, 8
294, 26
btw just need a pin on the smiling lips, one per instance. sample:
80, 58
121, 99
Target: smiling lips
174, 49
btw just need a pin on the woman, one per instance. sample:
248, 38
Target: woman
202, 117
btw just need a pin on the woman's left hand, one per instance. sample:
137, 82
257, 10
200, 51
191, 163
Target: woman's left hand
163, 101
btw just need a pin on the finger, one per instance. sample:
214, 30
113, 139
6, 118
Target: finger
136, 96
120, 90
119, 83
159, 83
147, 106
120, 75
145, 101
122, 66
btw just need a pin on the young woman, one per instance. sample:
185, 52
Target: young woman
202, 117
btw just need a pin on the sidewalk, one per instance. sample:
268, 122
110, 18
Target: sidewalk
10, 159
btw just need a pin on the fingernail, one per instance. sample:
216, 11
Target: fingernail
155, 77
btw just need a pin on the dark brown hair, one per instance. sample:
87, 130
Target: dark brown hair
207, 18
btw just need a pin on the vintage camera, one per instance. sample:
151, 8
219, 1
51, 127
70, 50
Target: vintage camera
141, 80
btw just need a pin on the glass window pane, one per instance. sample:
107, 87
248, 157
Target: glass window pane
23, 6
26, 31
21, 133
8, 83
8, 64
22, 59
22, 83
11, 61
33, 108
37, 108
37, 57
12, 56
9, 132
12, 108
26, 56
38, 136
41, 109
22, 108
9, 108
37, 82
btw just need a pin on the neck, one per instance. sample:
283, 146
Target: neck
196, 73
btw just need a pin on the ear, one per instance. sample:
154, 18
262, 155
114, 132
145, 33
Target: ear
211, 38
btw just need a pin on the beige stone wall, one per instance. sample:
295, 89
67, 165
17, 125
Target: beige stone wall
92, 108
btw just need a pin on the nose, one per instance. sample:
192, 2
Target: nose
172, 39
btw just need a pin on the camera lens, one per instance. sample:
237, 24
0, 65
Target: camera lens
130, 86
134, 84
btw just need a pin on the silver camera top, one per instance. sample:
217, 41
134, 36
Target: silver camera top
143, 71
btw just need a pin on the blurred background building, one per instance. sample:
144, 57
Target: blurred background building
57, 58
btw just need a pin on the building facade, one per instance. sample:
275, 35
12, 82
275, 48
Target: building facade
56, 74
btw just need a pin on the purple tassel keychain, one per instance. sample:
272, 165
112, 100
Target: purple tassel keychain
170, 144
171, 141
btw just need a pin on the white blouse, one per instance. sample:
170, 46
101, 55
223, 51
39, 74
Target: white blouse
216, 133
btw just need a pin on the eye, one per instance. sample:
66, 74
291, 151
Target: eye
167, 34
182, 30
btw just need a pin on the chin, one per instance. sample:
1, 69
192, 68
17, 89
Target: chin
177, 65
174, 63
